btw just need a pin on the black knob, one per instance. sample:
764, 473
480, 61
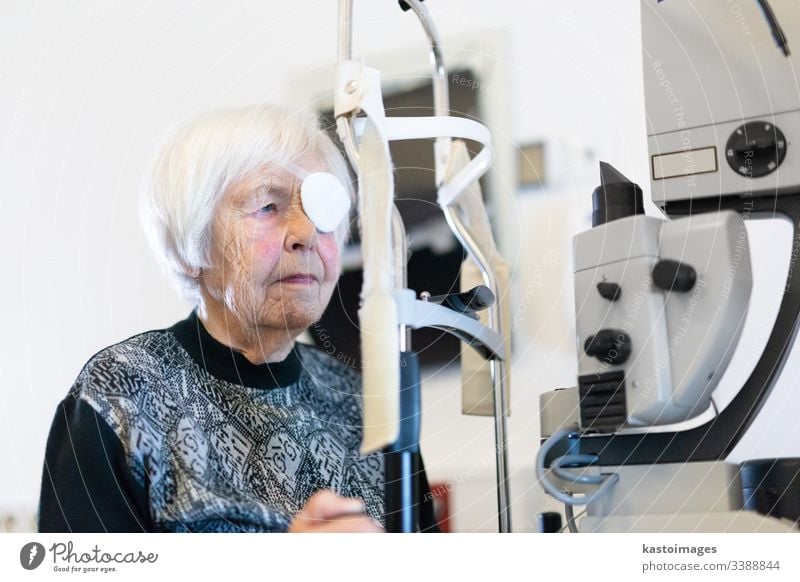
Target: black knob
468, 302
405, 6
549, 522
755, 149
672, 275
610, 291
609, 345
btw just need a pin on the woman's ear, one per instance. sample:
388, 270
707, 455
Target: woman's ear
194, 272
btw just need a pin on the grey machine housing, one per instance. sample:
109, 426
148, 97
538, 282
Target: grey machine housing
660, 304
682, 290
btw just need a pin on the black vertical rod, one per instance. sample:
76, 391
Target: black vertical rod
401, 459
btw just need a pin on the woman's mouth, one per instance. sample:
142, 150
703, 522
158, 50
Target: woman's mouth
299, 279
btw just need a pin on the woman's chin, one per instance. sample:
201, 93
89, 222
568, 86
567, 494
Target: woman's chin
294, 317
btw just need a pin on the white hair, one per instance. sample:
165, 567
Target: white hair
202, 157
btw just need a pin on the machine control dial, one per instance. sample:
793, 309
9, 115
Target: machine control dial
755, 149
609, 345
610, 291
672, 275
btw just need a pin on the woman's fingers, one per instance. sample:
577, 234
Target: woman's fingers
327, 511
326, 504
349, 524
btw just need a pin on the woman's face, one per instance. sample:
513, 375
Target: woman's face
270, 267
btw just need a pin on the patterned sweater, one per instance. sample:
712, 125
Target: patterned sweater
171, 430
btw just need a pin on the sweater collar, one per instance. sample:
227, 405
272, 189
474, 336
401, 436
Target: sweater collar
226, 363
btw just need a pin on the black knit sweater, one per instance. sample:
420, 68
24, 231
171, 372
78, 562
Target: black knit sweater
171, 430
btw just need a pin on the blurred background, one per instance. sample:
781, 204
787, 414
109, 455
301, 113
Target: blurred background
88, 87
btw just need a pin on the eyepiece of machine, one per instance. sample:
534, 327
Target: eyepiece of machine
616, 197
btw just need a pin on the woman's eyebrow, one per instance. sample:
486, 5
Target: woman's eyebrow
270, 189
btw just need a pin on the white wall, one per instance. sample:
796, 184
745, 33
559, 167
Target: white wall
86, 90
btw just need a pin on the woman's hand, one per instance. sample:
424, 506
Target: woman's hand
327, 512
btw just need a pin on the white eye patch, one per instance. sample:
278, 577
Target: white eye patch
325, 200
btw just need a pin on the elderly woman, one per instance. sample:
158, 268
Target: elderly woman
223, 422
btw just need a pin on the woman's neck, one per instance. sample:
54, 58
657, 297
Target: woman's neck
259, 344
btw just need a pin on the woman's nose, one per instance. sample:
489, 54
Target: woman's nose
300, 231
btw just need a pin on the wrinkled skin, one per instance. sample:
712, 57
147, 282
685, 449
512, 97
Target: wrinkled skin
260, 237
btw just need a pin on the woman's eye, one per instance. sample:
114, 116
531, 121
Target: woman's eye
267, 208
